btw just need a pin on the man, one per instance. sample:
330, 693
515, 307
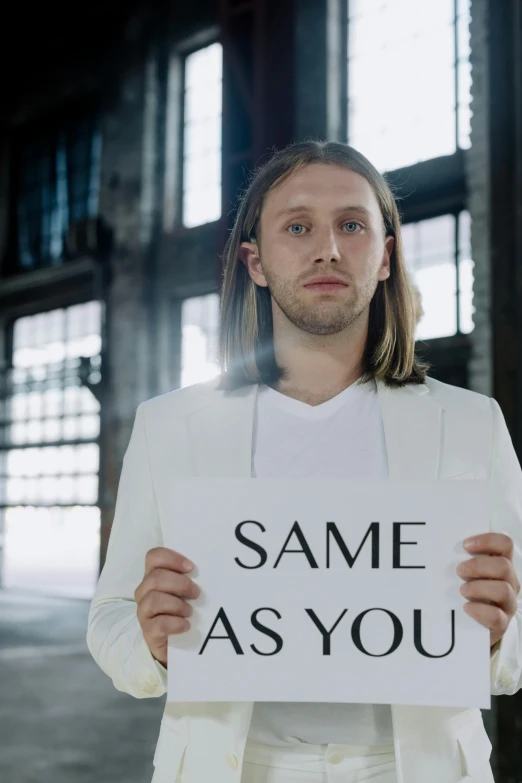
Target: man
318, 378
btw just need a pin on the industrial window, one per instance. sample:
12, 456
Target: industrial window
57, 183
49, 451
199, 323
409, 79
202, 136
438, 255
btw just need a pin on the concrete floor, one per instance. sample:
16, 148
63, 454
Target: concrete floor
61, 719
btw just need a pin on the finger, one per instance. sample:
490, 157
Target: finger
161, 557
491, 591
491, 544
155, 604
165, 581
173, 583
481, 567
492, 617
166, 625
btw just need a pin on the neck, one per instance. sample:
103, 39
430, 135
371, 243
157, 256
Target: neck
319, 366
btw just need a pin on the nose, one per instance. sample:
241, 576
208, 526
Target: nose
327, 248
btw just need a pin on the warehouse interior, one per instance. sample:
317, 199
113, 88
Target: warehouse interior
127, 133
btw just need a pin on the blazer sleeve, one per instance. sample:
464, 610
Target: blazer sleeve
114, 636
506, 517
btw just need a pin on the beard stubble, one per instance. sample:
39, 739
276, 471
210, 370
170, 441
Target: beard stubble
326, 315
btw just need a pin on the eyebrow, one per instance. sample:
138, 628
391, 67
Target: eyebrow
353, 208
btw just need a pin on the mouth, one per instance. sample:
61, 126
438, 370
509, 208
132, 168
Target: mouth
326, 286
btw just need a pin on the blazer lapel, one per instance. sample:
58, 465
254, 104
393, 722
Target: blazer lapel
220, 434
412, 423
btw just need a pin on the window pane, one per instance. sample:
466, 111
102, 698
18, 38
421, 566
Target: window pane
464, 100
45, 400
465, 274
51, 336
200, 321
400, 114
202, 136
57, 182
64, 552
429, 252
463, 19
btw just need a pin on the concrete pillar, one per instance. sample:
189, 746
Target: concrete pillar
320, 69
127, 205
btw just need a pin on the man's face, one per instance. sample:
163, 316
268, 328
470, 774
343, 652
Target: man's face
323, 221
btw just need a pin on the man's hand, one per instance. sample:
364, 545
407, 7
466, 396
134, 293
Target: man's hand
491, 583
162, 599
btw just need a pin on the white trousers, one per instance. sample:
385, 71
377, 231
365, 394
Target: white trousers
306, 763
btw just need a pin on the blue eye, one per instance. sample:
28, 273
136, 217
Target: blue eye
351, 223
299, 225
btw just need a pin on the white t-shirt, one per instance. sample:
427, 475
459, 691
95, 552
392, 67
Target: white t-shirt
341, 438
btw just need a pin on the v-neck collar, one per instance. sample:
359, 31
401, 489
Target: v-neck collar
314, 412
220, 431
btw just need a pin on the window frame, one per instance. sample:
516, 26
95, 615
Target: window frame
455, 214
7, 366
430, 188
50, 125
456, 61
175, 170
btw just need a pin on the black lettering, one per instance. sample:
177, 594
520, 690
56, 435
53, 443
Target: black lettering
397, 632
417, 634
397, 543
269, 632
252, 544
326, 634
373, 530
305, 548
221, 615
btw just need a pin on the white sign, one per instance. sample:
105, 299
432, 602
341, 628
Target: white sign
328, 590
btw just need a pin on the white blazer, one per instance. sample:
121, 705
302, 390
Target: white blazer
432, 431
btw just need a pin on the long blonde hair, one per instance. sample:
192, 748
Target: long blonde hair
246, 350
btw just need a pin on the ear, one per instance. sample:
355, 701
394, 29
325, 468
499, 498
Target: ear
384, 271
248, 252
